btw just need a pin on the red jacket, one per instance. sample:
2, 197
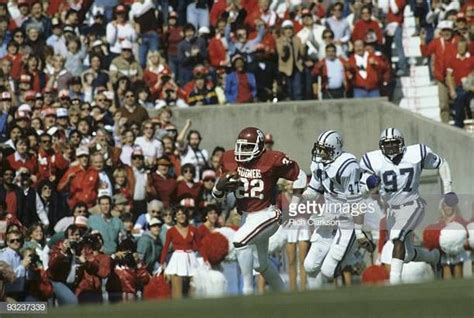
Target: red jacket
29, 163
371, 81
320, 69
91, 273
49, 163
460, 68
124, 279
59, 263
441, 52
217, 52
16, 64
396, 17
164, 189
361, 28
84, 188
64, 184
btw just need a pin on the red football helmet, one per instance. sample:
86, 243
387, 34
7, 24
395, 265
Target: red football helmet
249, 144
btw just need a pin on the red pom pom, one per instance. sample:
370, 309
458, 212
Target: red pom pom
375, 274
431, 236
215, 247
157, 288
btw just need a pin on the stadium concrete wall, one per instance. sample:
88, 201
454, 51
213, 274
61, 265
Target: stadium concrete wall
295, 125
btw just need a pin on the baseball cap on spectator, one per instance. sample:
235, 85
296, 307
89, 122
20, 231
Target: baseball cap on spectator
6, 96
163, 161
155, 222
30, 95
268, 139
69, 28
237, 57
120, 199
445, 25
137, 151
120, 9
61, 112
82, 151
453, 6
48, 112
81, 220
306, 12
97, 43
103, 193
24, 108
25, 78
55, 22
287, 24
204, 30
39, 96
173, 15
208, 175
22, 115
126, 45
64, 93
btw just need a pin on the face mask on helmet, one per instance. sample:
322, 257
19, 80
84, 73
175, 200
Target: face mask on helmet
391, 147
245, 151
322, 153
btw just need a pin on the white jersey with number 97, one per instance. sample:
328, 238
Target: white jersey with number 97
399, 183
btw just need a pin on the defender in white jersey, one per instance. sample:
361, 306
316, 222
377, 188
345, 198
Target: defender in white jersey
395, 170
335, 178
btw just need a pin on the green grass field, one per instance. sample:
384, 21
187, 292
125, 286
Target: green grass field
435, 299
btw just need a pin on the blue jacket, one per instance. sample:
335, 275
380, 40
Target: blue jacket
232, 86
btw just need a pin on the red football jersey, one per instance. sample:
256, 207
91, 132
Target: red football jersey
259, 178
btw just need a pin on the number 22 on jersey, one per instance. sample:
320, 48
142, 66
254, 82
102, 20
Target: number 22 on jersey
250, 189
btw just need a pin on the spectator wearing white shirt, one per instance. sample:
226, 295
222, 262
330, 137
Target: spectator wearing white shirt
339, 26
57, 40
119, 29
152, 148
191, 153
11, 256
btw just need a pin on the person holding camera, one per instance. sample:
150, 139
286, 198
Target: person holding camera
129, 274
37, 284
36, 241
62, 265
94, 267
21, 266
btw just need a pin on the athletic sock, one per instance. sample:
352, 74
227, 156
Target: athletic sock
396, 267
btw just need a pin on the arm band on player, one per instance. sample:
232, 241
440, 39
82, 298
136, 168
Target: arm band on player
300, 182
445, 174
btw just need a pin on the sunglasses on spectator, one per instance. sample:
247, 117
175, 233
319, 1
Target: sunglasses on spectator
129, 96
46, 141
15, 240
137, 157
18, 35
85, 108
209, 179
100, 100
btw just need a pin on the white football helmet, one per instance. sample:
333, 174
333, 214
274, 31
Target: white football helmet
391, 142
327, 147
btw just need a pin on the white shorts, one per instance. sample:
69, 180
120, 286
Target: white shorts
182, 263
297, 233
329, 247
404, 219
257, 226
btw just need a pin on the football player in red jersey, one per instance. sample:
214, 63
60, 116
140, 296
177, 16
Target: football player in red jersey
252, 172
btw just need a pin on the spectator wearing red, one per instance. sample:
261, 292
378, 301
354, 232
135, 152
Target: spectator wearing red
332, 72
187, 187
363, 72
384, 68
172, 36
240, 86
95, 266
171, 153
156, 73
458, 69
81, 165
395, 17
15, 57
365, 25
8, 190
22, 157
441, 50
84, 185
183, 262
210, 218
49, 161
218, 47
